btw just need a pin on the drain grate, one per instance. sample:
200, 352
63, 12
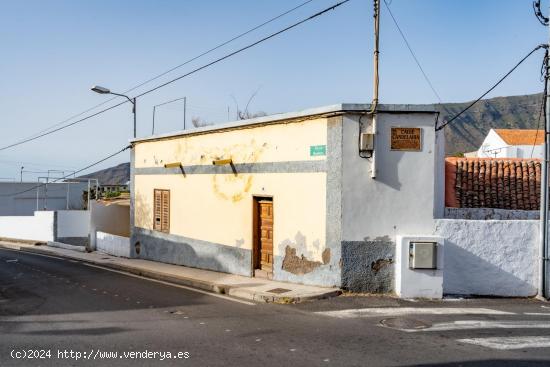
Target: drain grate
405, 323
279, 290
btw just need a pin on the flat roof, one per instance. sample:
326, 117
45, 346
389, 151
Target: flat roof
317, 111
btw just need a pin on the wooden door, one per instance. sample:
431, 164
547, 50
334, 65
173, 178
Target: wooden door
263, 249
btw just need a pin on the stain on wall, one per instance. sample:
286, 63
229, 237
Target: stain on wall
367, 266
300, 265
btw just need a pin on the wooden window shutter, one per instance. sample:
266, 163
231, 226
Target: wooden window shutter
165, 217
157, 216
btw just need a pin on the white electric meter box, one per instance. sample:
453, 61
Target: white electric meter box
419, 266
422, 255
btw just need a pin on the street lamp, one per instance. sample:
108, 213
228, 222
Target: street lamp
102, 90
21, 173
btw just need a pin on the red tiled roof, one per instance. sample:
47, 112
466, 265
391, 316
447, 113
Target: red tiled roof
521, 136
504, 183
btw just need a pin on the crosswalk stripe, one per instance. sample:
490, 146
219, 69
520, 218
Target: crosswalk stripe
402, 311
479, 324
510, 342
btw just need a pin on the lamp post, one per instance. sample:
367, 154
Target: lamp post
21, 173
102, 90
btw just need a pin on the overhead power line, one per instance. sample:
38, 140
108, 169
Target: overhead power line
412, 52
39, 133
332, 7
542, 108
72, 174
493, 87
62, 127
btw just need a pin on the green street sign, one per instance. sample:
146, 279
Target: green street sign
316, 150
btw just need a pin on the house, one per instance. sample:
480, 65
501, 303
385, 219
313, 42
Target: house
297, 197
512, 143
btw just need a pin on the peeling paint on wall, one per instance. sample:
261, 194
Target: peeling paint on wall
300, 265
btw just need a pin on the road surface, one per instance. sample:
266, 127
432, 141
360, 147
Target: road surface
66, 313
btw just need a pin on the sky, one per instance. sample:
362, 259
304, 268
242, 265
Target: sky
53, 51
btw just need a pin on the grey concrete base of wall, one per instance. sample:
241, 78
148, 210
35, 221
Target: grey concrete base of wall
75, 241
490, 214
179, 250
368, 266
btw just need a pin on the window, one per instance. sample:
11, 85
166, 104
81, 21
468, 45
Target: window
161, 220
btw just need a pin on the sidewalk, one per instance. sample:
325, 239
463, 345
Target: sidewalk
256, 289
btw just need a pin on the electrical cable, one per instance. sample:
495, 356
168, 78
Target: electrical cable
412, 52
493, 87
542, 103
72, 173
538, 13
272, 35
176, 67
332, 7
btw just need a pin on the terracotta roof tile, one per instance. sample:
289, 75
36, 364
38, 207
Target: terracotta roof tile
521, 136
502, 183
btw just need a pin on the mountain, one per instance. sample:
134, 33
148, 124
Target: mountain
466, 133
117, 175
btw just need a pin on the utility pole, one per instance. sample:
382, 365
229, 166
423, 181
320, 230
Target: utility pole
543, 230
21, 173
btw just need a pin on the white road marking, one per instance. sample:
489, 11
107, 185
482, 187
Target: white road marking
510, 342
537, 313
11, 261
402, 311
480, 324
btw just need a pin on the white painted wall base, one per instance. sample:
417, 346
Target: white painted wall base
112, 244
39, 227
417, 283
490, 257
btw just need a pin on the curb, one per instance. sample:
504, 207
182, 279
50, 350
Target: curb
179, 280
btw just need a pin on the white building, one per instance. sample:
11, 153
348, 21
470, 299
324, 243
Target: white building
512, 143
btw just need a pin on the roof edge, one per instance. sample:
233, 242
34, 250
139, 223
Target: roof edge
317, 111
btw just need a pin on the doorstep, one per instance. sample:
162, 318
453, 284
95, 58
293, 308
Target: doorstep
255, 289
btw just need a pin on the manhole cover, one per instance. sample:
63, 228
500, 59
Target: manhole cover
405, 324
279, 290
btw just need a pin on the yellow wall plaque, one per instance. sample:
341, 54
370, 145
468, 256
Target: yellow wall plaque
406, 138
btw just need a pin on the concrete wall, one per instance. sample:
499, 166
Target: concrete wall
73, 226
112, 244
399, 201
113, 218
490, 257
12, 203
211, 207
39, 227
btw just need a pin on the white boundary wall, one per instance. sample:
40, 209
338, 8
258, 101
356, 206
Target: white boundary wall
73, 223
112, 244
39, 227
490, 257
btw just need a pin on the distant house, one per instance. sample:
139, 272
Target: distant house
512, 143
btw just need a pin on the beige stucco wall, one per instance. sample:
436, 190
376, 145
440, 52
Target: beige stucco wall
271, 143
218, 207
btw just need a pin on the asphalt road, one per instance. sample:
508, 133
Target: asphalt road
66, 313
